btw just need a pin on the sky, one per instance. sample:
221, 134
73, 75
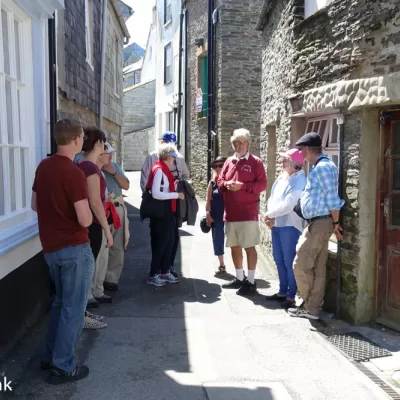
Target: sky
139, 24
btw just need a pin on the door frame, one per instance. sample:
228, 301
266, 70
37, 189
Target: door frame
386, 116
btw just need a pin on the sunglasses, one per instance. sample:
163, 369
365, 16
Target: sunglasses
215, 166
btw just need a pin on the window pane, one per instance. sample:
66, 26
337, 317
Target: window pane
335, 159
334, 134
309, 127
396, 210
17, 50
6, 40
316, 126
13, 195
10, 126
396, 174
2, 191
19, 114
396, 138
322, 127
24, 163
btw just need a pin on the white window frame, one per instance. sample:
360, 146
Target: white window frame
167, 12
24, 137
330, 147
168, 63
89, 31
313, 6
170, 116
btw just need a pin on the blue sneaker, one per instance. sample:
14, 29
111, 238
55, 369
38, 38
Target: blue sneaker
156, 281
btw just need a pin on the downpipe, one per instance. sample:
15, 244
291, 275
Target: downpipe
103, 63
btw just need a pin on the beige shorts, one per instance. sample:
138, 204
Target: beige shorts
243, 234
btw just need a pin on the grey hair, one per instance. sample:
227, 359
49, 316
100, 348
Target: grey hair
296, 165
165, 150
242, 135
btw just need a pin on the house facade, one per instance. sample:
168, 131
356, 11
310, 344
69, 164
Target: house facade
49, 69
79, 38
341, 79
24, 142
224, 75
169, 107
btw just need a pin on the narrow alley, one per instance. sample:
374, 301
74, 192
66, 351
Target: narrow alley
192, 340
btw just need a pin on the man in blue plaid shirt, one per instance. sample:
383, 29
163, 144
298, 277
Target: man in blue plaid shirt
320, 206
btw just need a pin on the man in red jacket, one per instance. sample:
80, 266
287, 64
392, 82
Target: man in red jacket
242, 180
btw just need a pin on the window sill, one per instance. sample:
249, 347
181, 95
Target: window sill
168, 23
15, 237
167, 83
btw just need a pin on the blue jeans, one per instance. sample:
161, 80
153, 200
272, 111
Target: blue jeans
218, 236
284, 241
71, 269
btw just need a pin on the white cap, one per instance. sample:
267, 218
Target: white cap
109, 148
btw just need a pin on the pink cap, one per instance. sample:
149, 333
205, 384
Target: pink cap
294, 154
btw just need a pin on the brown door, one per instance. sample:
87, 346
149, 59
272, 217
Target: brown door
389, 276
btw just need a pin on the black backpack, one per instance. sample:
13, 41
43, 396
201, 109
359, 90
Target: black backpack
297, 207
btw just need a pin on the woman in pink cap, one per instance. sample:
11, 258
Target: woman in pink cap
285, 224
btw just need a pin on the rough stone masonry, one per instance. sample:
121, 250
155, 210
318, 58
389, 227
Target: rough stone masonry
345, 57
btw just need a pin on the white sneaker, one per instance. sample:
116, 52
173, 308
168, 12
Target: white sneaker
91, 323
94, 316
169, 278
156, 281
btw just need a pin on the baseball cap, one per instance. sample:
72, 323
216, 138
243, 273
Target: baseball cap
173, 154
169, 137
311, 139
294, 154
108, 148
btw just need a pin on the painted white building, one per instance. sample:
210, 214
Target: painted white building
149, 60
24, 141
167, 69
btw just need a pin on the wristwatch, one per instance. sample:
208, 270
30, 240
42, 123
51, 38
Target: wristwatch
335, 222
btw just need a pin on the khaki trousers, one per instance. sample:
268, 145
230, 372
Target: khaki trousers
310, 263
116, 254
100, 270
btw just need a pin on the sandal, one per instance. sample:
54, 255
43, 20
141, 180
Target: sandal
221, 269
93, 324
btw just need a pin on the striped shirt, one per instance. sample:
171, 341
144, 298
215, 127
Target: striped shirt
320, 195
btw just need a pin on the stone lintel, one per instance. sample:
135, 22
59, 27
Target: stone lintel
354, 94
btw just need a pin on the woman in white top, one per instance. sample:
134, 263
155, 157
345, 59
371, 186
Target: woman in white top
286, 225
162, 230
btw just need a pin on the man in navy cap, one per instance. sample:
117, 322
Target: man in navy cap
320, 206
179, 170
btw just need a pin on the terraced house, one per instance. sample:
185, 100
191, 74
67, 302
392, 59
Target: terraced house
333, 67
38, 85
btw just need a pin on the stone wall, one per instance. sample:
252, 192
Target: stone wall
237, 79
137, 146
70, 109
79, 82
139, 107
335, 66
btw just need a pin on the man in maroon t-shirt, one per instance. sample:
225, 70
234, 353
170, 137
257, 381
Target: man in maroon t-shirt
242, 180
60, 197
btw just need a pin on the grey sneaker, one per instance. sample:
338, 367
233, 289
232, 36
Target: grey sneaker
301, 312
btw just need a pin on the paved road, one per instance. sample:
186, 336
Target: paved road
193, 341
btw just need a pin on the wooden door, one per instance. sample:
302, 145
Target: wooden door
389, 277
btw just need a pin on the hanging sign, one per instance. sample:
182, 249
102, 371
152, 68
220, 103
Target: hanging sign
199, 100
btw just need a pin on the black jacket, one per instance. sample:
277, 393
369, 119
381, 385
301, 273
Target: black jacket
187, 209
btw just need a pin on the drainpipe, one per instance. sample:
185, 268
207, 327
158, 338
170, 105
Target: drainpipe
340, 121
210, 88
180, 77
103, 64
52, 82
186, 82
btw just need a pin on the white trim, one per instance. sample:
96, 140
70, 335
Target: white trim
89, 33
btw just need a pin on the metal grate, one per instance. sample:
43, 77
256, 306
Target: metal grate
357, 346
